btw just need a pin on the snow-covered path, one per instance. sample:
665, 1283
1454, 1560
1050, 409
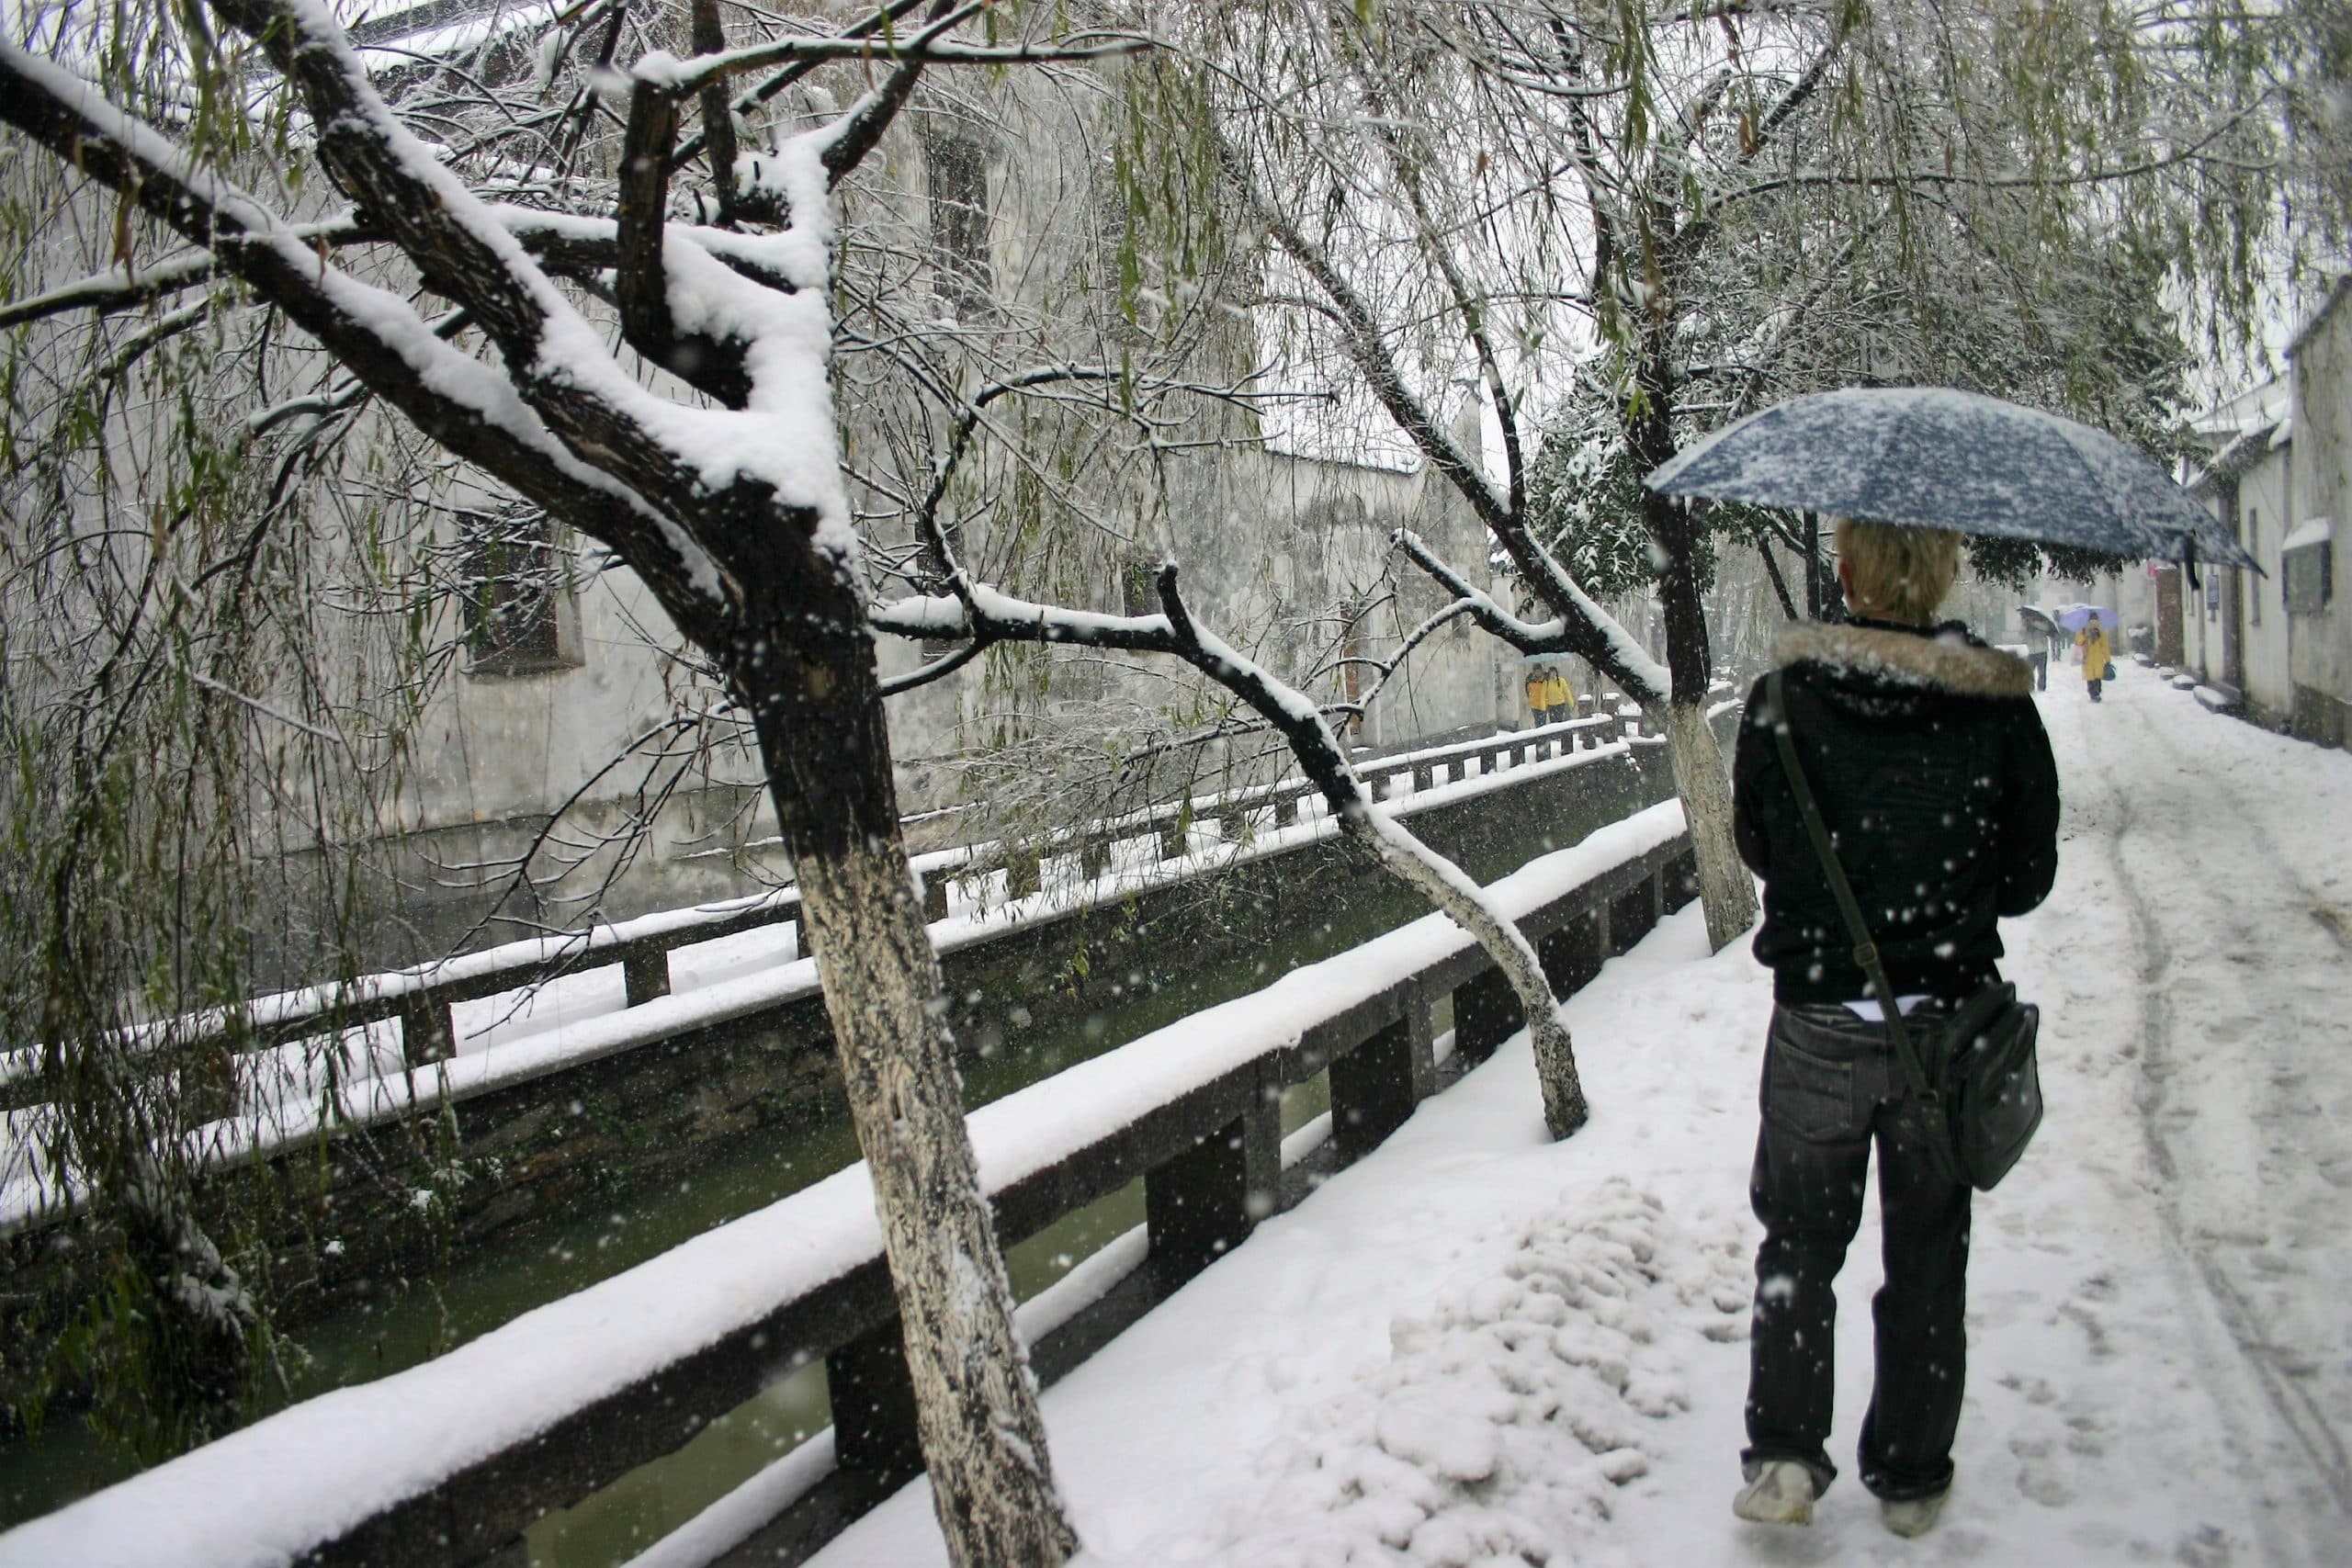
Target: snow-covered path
2231, 864
1477, 1347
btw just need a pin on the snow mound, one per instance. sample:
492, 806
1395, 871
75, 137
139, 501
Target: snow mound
1511, 1409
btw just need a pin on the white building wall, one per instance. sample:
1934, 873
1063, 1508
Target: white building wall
2265, 505
2320, 659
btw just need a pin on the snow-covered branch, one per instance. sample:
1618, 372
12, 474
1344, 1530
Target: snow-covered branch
682, 78
1593, 635
378, 336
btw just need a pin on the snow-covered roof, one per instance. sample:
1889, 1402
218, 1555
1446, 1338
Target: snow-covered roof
2235, 458
2336, 294
2266, 403
446, 26
2317, 531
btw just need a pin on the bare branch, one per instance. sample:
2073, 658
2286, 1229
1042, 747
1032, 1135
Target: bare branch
119, 288
378, 336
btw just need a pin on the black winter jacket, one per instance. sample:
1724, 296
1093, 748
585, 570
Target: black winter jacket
1934, 777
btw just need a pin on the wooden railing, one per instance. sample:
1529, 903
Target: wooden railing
1208, 1153
421, 997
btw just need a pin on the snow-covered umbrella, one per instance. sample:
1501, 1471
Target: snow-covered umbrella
2075, 617
1934, 457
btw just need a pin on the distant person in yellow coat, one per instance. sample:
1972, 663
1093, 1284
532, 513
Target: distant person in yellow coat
1538, 693
1557, 698
2093, 640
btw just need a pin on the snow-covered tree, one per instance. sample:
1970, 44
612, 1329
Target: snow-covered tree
620, 290
1632, 224
625, 322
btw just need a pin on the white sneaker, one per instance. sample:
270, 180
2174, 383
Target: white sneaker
1915, 1516
1781, 1493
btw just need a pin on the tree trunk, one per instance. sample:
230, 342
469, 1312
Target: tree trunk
820, 720
1812, 594
1727, 890
1446, 886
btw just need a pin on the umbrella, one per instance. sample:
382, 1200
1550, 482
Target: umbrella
1940, 459
2075, 617
2036, 612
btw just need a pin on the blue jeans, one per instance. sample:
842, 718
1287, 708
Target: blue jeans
1832, 1087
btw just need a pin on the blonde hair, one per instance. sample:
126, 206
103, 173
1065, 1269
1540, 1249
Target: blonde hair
1903, 573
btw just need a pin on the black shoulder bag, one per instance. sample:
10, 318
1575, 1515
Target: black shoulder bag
1979, 1088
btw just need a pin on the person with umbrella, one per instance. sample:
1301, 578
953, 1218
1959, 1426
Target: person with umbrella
1933, 782
2041, 642
2097, 656
1539, 695
1931, 769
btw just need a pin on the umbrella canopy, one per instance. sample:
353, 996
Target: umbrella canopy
2075, 617
1938, 459
2036, 612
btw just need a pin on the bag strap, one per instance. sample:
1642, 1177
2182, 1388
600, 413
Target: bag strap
1865, 950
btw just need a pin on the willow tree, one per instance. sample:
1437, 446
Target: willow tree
543, 296
1662, 215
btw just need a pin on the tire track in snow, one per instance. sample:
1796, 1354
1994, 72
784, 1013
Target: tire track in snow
2307, 1424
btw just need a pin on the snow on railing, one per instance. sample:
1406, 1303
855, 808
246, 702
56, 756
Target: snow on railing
449, 1462
363, 1076
422, 997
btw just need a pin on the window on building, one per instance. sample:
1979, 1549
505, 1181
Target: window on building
1352, 647
2307, 567
1138, 595
956, 169
516, 585
931, 567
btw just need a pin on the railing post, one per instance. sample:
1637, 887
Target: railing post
1024, 872
645, 975
1423, 777
1286, 810
1093, 857
1233, 823
1375, 1086
1629, 918
874, 1406
1486, 1013
1205, 1202
1175, 837
934, 894
427, 1034
1682, 881
1573, 955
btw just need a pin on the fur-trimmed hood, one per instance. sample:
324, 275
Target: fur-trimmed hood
1942, 659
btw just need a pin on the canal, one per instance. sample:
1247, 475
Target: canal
406, 1322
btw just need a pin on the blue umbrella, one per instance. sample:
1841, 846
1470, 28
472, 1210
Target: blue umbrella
1934, 457
2075, 617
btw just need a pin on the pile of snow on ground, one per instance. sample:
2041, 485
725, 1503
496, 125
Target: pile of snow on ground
1513, 1408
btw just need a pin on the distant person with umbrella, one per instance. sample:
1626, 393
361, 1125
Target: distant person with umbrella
1539, 695
2041, 641
1558, 699
2092, 639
